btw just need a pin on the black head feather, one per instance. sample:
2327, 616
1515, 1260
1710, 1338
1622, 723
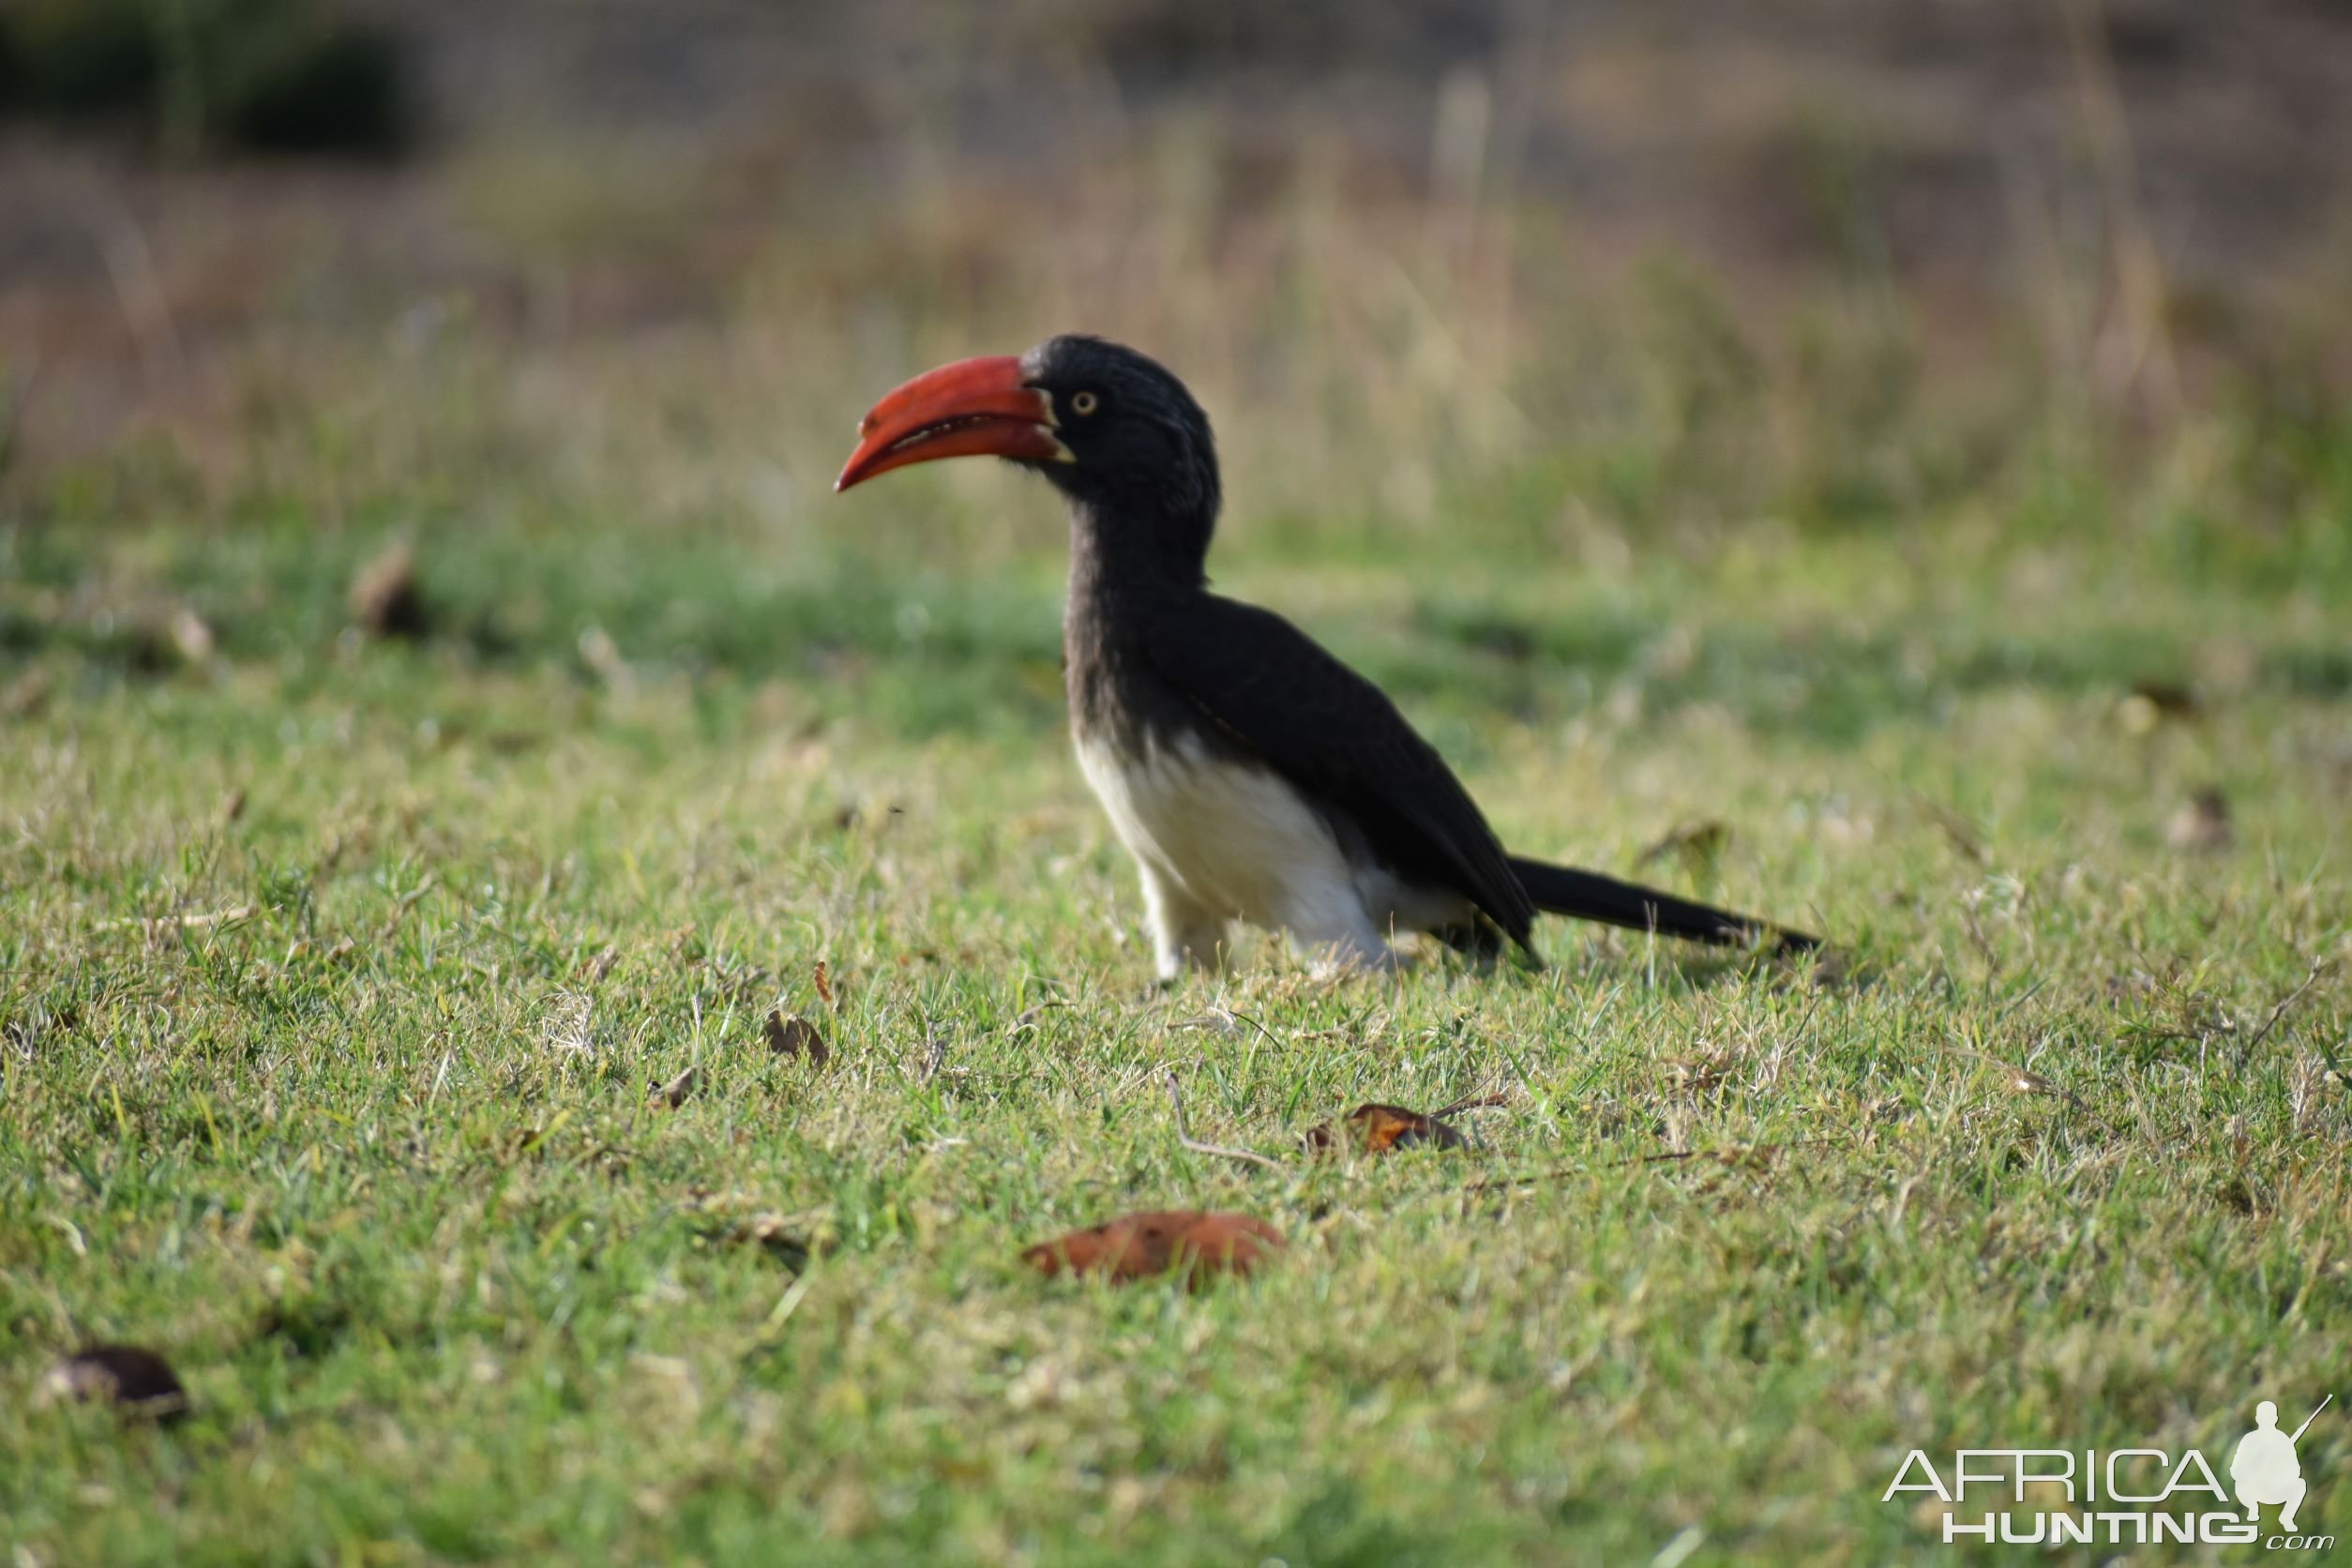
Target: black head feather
1144, 457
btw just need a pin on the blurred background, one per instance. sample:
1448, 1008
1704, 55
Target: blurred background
577, 302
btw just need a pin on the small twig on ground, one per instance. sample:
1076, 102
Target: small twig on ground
1176, 1099
934, 1058
1974, 926
1531, 1178
1476, 1102
2245, 1052
406, 902
1955, 828
1264, 1033
1738, 1153
152, 924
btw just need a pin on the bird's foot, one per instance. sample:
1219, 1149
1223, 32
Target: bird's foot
1338, 959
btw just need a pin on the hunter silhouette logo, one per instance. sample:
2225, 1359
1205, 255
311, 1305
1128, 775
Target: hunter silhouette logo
2121, 1497
2264, 1469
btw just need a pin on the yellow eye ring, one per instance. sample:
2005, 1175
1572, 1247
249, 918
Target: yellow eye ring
1084, 403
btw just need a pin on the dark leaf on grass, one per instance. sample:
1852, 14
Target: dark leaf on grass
790, 1034
385, 598
1140, 1247
2152, 702
138, 1381
674, 1092
2202, 824
1378, 1129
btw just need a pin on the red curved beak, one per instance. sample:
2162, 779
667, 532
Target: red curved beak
972, 408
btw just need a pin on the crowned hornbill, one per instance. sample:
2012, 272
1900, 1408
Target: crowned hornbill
1252, 774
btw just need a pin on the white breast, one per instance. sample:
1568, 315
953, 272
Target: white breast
1235, 838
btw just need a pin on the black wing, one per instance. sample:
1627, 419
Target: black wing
1336, 736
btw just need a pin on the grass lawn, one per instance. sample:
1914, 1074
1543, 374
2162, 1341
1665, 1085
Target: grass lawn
335, 971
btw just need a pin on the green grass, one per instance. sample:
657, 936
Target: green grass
372, 1160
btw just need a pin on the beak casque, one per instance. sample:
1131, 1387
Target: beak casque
971, 408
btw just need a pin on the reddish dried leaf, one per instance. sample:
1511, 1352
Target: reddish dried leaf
790, 1034
1139, 1246
824, 986
1378, 1129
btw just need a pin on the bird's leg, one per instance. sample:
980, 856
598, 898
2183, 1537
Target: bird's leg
1186, 932
1336, 958
1332, 923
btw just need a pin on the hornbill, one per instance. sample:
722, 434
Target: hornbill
1252, 774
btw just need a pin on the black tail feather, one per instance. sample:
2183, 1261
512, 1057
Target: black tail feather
1589, 896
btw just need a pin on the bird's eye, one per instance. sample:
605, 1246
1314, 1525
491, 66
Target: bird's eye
1084, 403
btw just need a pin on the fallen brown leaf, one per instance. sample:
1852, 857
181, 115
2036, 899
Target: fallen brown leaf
790, 1034
1139, 1246
385, 598
2201, 825
2025, 1081
1378, 1129
675, 1091
138, 1381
